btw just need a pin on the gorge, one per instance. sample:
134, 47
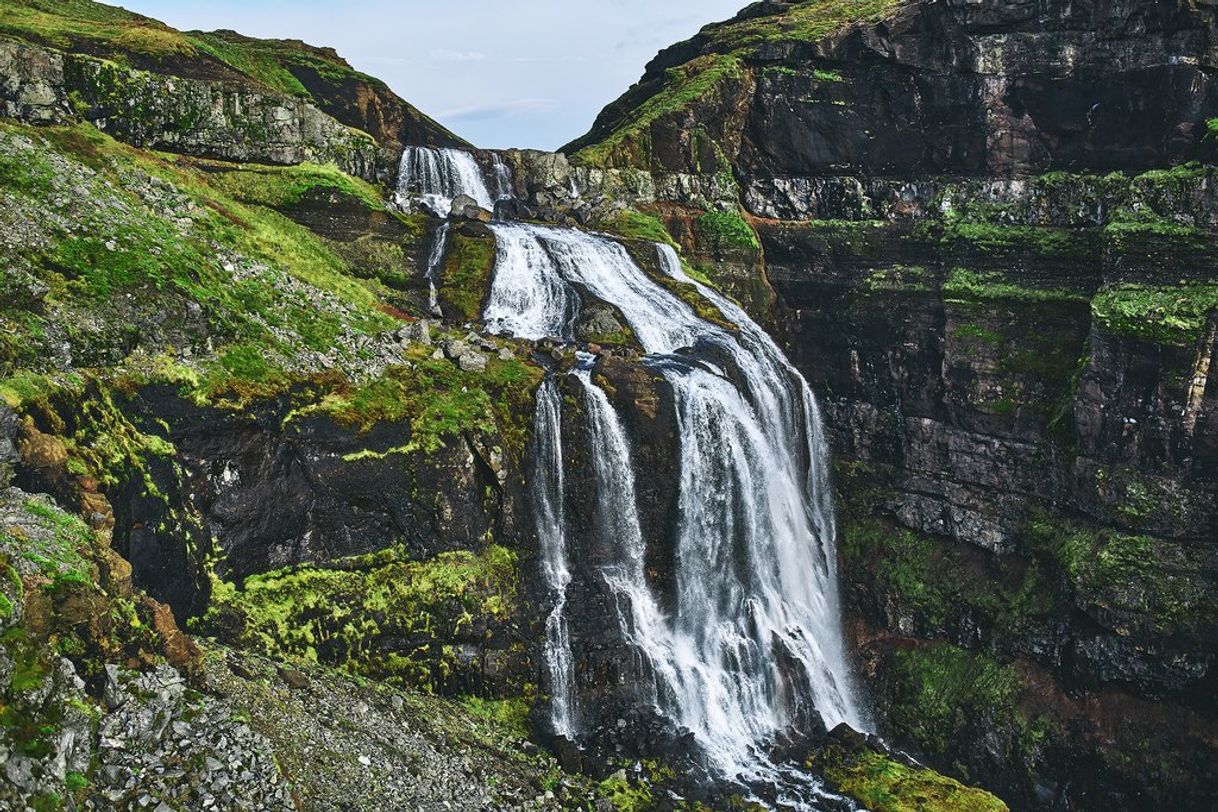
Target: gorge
349, 466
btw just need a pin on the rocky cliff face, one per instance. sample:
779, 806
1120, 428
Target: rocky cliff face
985, 234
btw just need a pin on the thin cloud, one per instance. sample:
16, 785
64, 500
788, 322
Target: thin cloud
507, 109
445, 55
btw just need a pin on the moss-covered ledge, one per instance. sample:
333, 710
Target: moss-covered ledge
447, 624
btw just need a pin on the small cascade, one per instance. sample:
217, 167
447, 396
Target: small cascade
549, 514
503, 178
434, 261
527, 299
435, 177
752, 646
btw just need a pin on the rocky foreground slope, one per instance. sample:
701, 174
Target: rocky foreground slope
984, 231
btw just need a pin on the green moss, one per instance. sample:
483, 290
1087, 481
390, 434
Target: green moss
937, 581
466, 276
992, 238
278, 64
1169, 314
884, 785
383, 616
51, 540
510, 715
46, 802
148, 253
441, 401
803, 22
723, 230
964, 284
974, 331
831, 76
899, 279
939, 690
624, 795
1137, 578
635, 225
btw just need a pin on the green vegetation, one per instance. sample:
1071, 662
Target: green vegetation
466, 277
347, 612
900, 279
722, 61
284, 187
121, 36
683, 86
440, 400
635, 225
884, 785
1143, 580
723, 230
278, 64
254, 278
625, 796
91, 27
991, 238
802, 22
922, 575
54, 542
941, 695
974, 331
1169, 314
964, 284
510, 715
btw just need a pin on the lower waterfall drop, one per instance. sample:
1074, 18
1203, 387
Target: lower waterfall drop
752, 646
433, 266
550, 516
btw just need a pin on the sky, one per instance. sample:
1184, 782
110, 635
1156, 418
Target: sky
528, 73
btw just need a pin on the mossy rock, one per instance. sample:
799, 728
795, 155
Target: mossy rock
465, 279
383, 616
883, 784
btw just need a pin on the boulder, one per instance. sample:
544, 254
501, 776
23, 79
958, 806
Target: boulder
466, 208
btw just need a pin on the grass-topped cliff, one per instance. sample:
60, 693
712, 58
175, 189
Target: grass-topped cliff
710, 71
289, 67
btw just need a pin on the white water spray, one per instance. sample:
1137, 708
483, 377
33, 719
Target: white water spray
550, 515
753, 643
436, 177
433, 266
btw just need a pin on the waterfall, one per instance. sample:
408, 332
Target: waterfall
503, 178
433, 266
550, 516
436, 177
753, 641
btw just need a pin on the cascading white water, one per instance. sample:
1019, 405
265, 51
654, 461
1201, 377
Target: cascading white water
503, 177
754, 638
438, 176
433, 266
550, 515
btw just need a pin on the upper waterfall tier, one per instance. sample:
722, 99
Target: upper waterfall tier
436, 177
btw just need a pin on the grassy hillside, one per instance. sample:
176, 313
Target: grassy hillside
290, 67
692, 71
